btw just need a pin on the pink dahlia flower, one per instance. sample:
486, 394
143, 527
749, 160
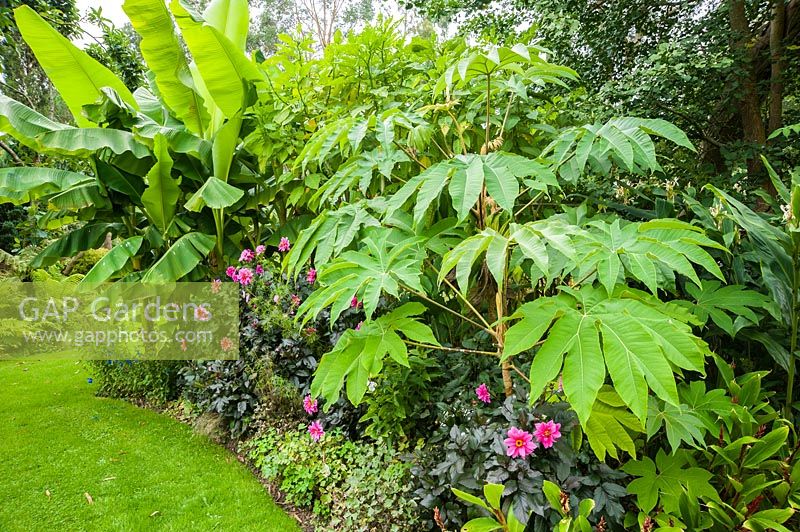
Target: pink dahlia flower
246, 256
519, 443
310, 405
260, 249
231, 271
547, 433
284, 244
311, 277
245, 276
316, 431
483, 394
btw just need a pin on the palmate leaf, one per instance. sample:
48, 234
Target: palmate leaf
712, 300
624, 141
215, 194
388, 260
162, 51
180, 259
465, 176
535, 240
698, 414
635, 337
648, 252
329, 235
77, 76
611, 426
358, 355
518, 58
665, 479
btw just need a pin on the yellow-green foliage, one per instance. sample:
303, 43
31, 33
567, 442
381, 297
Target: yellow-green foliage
89, 258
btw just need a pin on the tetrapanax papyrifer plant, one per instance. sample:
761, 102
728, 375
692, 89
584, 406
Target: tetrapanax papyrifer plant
453, 197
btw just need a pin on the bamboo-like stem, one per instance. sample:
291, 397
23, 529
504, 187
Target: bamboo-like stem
524, 377
448, 309
453, 349
487, 327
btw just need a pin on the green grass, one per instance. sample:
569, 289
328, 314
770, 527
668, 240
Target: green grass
143, 470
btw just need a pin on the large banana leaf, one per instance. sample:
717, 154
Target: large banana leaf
80, 196
222, 65
214, 193
41, 134
23, 184
77, 76
181, 258
87, 237
113, 261
160, 198
165, 57
231, 18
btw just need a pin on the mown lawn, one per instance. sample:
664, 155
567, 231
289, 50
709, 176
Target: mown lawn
142, 470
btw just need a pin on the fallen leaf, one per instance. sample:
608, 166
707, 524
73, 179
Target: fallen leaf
88, 498
108, 478
155, 513
47, 492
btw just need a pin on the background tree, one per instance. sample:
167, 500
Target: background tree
725, 71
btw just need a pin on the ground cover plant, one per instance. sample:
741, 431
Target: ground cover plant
468, 297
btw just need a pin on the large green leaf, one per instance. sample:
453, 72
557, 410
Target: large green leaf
358, 355
536, 240
329, 235
465, 176
231, 18
648, 252
635, 336
712, 300
625, 141
160, 198
181, 258
113, 261
77, 76
390, 259
45, 136
23, 184
87, 237
610, 426
223, 66
165, 57
214, 193
665, 479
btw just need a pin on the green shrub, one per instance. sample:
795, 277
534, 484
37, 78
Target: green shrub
152, 381
85, 262
348, 485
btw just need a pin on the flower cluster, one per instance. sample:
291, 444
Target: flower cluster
520, 444
311, 407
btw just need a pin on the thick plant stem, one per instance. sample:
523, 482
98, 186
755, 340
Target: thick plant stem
500, 334
793, 342
218, 223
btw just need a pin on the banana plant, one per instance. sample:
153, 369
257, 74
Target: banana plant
165, 163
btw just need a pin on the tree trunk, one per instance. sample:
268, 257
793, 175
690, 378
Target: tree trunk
777, 29
749, 102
